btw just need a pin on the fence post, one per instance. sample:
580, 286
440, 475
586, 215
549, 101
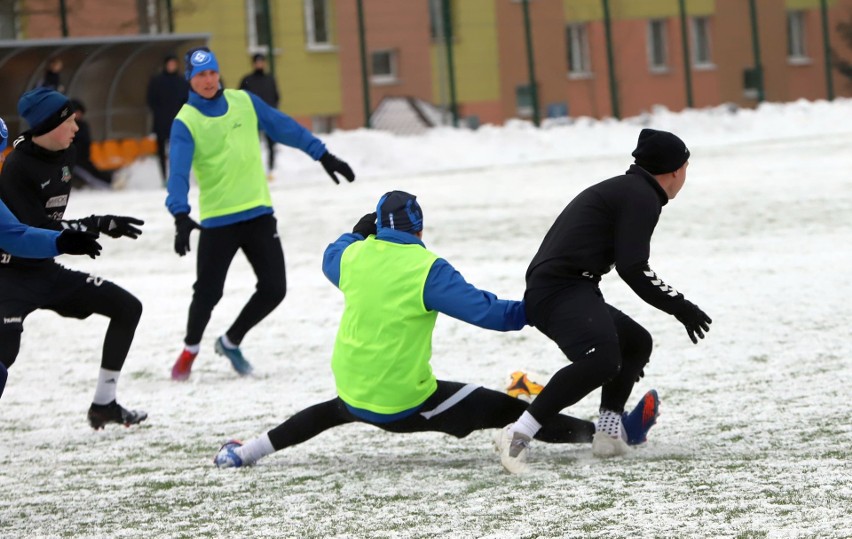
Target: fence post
687, 61
531, 63
755, 41
613, 85
826, 44
448, 43
365, 83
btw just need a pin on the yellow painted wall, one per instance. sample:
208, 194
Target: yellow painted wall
806, 4
226, 23
308, 81
592, 10
475, 57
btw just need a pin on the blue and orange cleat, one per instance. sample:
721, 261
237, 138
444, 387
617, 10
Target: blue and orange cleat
639, 421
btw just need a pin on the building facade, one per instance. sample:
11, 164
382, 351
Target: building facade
595, 58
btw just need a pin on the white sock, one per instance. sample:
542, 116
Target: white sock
610, 423
192, 349
105, 391
228, 344
256, 449
526, 425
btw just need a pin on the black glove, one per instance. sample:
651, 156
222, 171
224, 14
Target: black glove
366, 225
77, 242
332, 164
694, 320
184, 225
115, 226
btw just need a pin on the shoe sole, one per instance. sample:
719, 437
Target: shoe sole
100, 426
605, 446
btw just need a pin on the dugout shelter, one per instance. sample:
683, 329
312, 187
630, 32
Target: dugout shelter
109, 74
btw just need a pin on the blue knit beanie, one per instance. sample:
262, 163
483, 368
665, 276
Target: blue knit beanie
44, 109
400, 211
4, 135
199, 59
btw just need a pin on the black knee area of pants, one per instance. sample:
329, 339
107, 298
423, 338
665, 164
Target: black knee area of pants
636, 343
273, 291
607, 360
10, 345
131, 310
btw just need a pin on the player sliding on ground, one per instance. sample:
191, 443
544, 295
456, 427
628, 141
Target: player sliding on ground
394, 289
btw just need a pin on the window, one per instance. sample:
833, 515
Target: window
258, 35
796, 36
322, 124
316, 23
8, 23
383, 66
657, 47
524, 99
577, 36
701, 42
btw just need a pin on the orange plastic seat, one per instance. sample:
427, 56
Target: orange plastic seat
147, 146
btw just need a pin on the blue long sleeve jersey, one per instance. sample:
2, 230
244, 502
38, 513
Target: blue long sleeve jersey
445, 290
282, 128
18, 239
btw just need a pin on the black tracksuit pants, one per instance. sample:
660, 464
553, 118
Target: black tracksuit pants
258, 239
71, 294
454, 408
607, 348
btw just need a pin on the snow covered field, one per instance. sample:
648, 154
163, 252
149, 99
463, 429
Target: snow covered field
756, 425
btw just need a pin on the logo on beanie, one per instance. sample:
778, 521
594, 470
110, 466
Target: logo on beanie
200, 58
4, 132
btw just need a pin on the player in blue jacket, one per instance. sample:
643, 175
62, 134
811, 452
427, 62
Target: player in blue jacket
394, 289
215, 134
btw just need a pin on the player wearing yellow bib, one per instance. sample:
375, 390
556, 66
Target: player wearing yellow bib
215, 134
393, 289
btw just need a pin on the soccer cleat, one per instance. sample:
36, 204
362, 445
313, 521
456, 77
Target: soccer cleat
610, 439
604, 445
235, 357
101, 414
227, 456
639, 421
183, 365
514, 449
520, 386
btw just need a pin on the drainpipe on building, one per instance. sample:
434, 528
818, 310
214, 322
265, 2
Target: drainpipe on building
271, 52
826, 45
170, 20
687, 61
613, 85
531, 63
448, 41
365, 82
63, 17
755, 41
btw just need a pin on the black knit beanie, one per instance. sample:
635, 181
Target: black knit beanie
660, 152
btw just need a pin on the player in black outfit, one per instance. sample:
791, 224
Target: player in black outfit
607, 225
263, 86
35, 185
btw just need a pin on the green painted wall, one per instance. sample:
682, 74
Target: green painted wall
806, 4
477, 63
592, 10
308, 81
226, 24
